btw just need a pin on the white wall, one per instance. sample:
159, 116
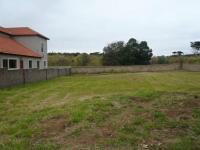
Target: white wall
34, 63
35, 43
8, 57
25, 61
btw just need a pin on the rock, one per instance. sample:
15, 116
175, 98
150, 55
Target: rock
145, 146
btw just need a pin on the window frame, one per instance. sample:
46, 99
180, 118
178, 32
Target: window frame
38, 64
15, 64
45, 64
8, 63
5, 59
42, 47
29, 64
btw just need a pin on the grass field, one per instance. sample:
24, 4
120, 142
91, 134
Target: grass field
119, 111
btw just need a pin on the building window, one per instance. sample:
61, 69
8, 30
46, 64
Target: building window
38, 64
42, 47
21, 64
30, 64
45, 64
5, 63
12, 63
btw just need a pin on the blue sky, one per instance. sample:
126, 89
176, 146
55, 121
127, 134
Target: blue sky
89, 25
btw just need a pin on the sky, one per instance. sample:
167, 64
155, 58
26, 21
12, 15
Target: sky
89, 25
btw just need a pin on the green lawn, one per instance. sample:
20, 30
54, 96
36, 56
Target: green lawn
119, 111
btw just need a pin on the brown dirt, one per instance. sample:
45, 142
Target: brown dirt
183, 111
141, 102
192, 103
107, 133
54, 126
87, 137
159, 138
137, 99
59, 128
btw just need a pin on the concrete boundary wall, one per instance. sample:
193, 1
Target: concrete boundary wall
10, 78
52, 73
191, 67
34, 75
136, 68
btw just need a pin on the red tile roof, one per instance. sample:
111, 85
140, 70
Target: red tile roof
21, 31
9, 46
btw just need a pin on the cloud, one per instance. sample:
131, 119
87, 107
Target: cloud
77, 25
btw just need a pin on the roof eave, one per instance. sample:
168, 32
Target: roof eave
20, 55
5, 33
34, 35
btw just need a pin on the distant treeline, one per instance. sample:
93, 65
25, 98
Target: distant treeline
191, 59
96, 59
75, 59
120, 53
114, 54
73, 54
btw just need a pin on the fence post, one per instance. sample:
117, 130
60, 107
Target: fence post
46, 74
70, 71
58, 72
180, 63
23, 76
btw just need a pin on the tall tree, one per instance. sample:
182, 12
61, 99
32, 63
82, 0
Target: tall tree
174, 53
130, 53
196, 46
111, 53
179, 53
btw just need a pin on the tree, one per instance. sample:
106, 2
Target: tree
174, 53
82, 59
179, 53
162, 60
111, 53
196, 46
130, 53
145, 53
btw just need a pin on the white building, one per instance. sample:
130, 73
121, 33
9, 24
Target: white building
22, 48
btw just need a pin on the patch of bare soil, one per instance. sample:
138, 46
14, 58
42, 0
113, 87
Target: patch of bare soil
141, 102
54, 126
180, 112
159, 138
137, 99
61, 131
183, 110
87, 138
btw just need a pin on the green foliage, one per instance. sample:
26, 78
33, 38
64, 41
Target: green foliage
177, 53
74, 59
159, 60
111, 54
196, 46
82, 59
175, 59
131, 53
